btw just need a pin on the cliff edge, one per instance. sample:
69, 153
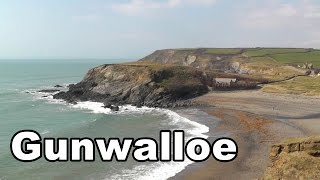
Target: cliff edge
140, 85
295, 159
170, 78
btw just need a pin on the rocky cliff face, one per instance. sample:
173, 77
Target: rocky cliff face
153, 85
166, 78
295, 159
236, 61
197, 58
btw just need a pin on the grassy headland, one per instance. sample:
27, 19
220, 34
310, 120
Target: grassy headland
261, 64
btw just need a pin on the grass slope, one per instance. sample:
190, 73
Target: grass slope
270, 64
301, 85
287, 55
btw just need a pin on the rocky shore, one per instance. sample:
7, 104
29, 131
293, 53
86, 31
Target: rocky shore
138, 85
162, 79
181, 78
172, 77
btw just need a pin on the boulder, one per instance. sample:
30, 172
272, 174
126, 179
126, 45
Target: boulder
114, 108
107, 105
49, 90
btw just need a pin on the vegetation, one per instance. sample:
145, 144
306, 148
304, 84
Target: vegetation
287, 56
260, 64
268, 68
300, 85
269, 51
223, 50
299, 58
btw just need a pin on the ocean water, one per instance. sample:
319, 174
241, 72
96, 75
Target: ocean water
22, 107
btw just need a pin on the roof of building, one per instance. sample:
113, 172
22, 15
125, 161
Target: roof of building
225, 80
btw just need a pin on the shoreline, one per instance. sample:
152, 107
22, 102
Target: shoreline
197, 129
254, 130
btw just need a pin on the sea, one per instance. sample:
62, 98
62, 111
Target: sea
22, 107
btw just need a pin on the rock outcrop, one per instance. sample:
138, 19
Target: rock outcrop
49, 90
197, 58
153, 85
165, 78
295, 159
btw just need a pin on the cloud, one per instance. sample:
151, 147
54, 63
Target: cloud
85, 18
275, 14
137, 7
296, 22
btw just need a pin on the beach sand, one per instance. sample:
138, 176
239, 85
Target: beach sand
255, 120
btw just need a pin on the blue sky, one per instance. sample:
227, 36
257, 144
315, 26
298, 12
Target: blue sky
134, 28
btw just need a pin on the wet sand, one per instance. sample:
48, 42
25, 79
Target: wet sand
255, 120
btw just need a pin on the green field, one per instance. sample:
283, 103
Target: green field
270, 51
281, 55
223, 50
299, 58
261, 64
286, 55
300, 85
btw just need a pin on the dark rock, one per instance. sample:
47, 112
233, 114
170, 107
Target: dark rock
72, 102
308, 72
139, 105
114, 108
107, 105
49, 90
69, 85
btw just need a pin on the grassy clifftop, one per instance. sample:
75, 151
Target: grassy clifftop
270, 64
289, 56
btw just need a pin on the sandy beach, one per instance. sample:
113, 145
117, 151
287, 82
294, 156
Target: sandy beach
255, 120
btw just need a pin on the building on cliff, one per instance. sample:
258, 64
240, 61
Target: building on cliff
227, 81
232, 83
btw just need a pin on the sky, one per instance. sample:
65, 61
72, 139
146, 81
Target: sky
115, 29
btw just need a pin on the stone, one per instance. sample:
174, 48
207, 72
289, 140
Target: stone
49, 90
114, 108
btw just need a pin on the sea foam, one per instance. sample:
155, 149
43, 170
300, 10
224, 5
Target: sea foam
155, 171
158, 170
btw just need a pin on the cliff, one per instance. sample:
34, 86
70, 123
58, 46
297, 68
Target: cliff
295, 159
169, 78
156, 86
259, 63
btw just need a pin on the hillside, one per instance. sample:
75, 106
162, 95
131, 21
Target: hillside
289, 56
149, 85
167, 78
263, 64
270, 63
137, 85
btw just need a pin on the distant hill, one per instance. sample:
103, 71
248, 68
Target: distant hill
169, 78
268, 63
291, 56
263, 64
